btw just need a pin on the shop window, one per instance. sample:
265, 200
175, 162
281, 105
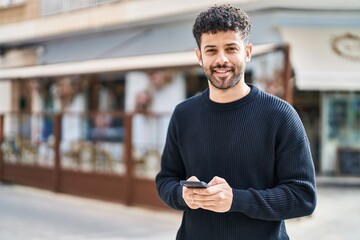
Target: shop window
106, 94
343, 118
341, 127
90, 140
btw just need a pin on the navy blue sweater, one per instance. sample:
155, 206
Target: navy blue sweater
259, 146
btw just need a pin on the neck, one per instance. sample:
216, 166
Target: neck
229, 95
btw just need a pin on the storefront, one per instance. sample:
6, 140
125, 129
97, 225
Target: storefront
100, 133
326, 60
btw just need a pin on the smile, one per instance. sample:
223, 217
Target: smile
222, 72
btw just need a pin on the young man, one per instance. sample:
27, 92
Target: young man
249, 146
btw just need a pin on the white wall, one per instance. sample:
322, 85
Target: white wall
164, 100
5, 92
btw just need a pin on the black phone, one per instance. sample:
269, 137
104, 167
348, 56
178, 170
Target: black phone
193, 184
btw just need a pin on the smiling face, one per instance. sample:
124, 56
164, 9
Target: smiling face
223, 56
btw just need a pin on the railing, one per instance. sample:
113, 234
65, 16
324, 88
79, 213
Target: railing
107, 155
51, 7
87, 142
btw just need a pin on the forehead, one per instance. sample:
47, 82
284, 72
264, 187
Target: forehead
221, 38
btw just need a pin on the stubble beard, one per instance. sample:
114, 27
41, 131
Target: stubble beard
223, 84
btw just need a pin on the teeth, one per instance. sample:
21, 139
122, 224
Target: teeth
221, 71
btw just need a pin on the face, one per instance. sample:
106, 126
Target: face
223, 56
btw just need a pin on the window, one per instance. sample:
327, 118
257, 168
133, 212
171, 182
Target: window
341, 126
10, 3
50, 7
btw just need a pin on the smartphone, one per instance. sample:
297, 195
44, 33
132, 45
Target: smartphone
193, 184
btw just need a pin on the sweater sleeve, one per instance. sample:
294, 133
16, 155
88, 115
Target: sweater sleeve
295, 193
172, 171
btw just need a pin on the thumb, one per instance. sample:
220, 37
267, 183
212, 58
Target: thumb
193, 178
216, 180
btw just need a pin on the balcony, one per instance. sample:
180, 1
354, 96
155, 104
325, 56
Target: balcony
10, 3
52, 7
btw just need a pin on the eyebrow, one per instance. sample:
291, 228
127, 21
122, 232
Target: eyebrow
228, 44
232, 44
209, 46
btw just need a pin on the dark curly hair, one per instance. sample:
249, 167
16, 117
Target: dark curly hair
222, 18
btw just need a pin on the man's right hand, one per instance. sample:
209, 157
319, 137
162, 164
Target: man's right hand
188, 194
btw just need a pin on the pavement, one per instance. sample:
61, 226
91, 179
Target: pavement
32, 214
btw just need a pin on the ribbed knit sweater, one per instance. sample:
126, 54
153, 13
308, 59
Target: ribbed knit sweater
259, 146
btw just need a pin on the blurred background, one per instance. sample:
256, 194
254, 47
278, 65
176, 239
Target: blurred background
88, 86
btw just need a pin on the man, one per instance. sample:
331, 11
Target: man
249, 146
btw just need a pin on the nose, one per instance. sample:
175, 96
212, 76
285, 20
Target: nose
221, 58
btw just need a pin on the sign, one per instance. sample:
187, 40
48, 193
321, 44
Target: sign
348, 162
347, 46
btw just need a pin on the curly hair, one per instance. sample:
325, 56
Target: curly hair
222, 18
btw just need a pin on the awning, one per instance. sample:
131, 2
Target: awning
324, 58
101, 66
180, 59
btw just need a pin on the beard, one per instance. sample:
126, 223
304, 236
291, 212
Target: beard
227, 82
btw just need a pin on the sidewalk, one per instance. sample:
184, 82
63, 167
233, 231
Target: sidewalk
337, 215
33, 214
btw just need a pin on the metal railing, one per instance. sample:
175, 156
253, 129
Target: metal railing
88, 142
85, 153
51, 7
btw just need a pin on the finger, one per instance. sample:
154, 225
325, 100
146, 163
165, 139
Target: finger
216, 180
207, 191
211, 195
189, 200
203, 198
207, 204
193, 178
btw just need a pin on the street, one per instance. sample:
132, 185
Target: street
33, 214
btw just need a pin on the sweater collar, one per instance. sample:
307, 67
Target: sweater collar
230, 105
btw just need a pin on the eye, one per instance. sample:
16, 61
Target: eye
210, 50
232, 49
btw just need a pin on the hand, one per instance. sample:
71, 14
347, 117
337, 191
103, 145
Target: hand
188, 194
217, 197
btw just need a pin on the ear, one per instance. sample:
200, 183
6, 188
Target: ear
199, 56
248, 52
